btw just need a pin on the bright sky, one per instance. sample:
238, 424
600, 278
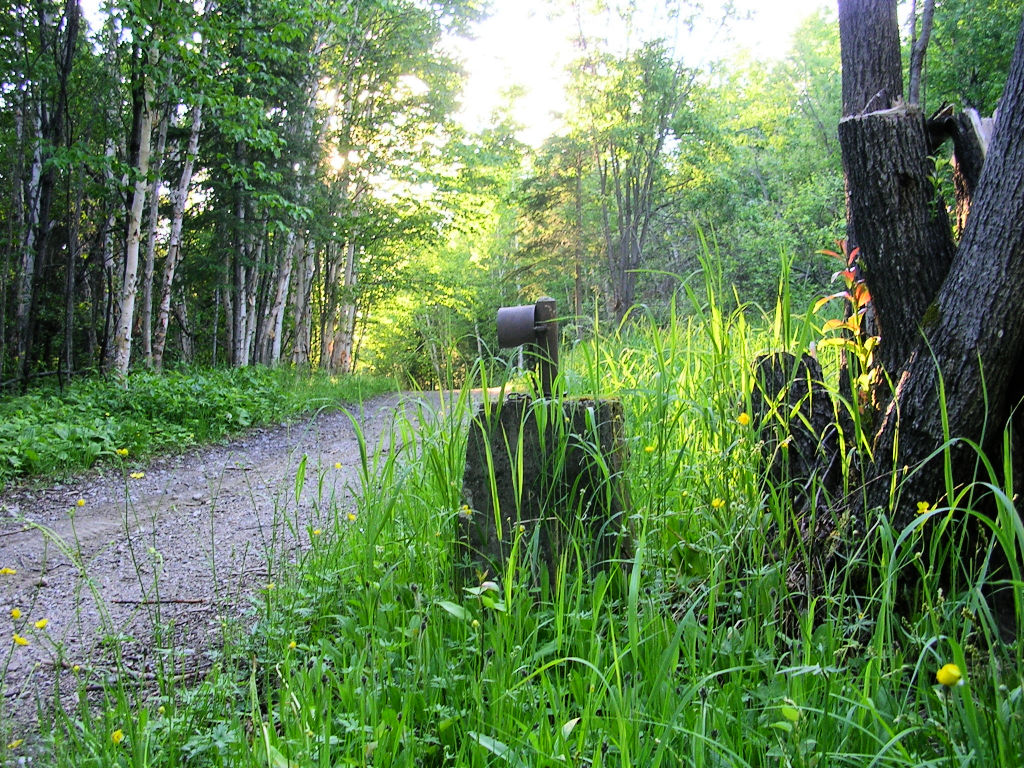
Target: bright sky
520, 44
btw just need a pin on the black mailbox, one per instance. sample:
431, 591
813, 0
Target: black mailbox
535, 326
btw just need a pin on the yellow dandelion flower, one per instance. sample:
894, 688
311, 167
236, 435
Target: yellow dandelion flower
743, 419
923, 507
121, 451
19, 640
317, 531
950, 676
351, 517
7, 571
137, 475
270, 585
648, 449
80, 503
15, 744
291, 645
41, 624
15, 613
337, 465
717, 503
117, 736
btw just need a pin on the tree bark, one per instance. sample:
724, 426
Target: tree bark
173, 257
906, 251
870, 52
133, 241
146, 314
968, 366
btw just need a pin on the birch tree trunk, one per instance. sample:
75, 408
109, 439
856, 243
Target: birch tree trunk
180, 197
146, 313
133, 240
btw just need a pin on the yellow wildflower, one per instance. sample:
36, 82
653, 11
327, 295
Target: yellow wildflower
291, 645
648, 449
41, 624
76, 669
19, 640
80, 502
743, 419
270, 585
351, 517
137, 475
923, 507
117, 736
121, 451
16, 743
337, 465
317, 531
950, 675
717, 503
15, 613
7, 571
475, 624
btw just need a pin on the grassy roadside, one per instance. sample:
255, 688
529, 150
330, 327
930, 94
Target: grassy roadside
51, 433
689, 654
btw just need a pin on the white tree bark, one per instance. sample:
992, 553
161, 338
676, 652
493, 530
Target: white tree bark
180, 196
129, 289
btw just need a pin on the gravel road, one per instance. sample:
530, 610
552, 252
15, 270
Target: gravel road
154, 554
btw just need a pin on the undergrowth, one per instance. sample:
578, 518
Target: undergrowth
53, 431
693, 652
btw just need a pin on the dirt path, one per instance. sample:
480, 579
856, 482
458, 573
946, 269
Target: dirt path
112, 560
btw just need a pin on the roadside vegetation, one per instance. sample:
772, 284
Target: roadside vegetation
696, 651
53, 431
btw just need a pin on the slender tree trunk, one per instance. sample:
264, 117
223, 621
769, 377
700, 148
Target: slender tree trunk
174, 251
133, 241
301, 296
146, 313
272, 353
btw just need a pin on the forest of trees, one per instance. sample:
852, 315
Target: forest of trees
285, 182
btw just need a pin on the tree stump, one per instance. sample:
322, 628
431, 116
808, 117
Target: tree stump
543, 479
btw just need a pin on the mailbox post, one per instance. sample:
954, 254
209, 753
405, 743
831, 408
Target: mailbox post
546, 473
536, 326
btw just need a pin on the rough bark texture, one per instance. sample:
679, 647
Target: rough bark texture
870, 51
903, 231
558, 487
975, 334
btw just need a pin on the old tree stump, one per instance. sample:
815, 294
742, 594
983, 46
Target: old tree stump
543, 488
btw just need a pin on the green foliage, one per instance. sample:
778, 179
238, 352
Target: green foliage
694, 652
50, 432
969, 52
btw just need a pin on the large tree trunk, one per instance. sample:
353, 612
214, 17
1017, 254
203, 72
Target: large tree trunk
968, 364
951, 326
903, 232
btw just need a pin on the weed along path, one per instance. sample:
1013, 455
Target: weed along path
142, 563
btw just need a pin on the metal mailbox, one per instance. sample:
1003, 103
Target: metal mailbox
536, 326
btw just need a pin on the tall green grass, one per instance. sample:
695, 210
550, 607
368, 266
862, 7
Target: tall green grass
692, 653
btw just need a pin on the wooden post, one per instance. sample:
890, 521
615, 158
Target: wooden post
543, 479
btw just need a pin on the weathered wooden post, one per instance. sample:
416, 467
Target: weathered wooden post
543, 477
